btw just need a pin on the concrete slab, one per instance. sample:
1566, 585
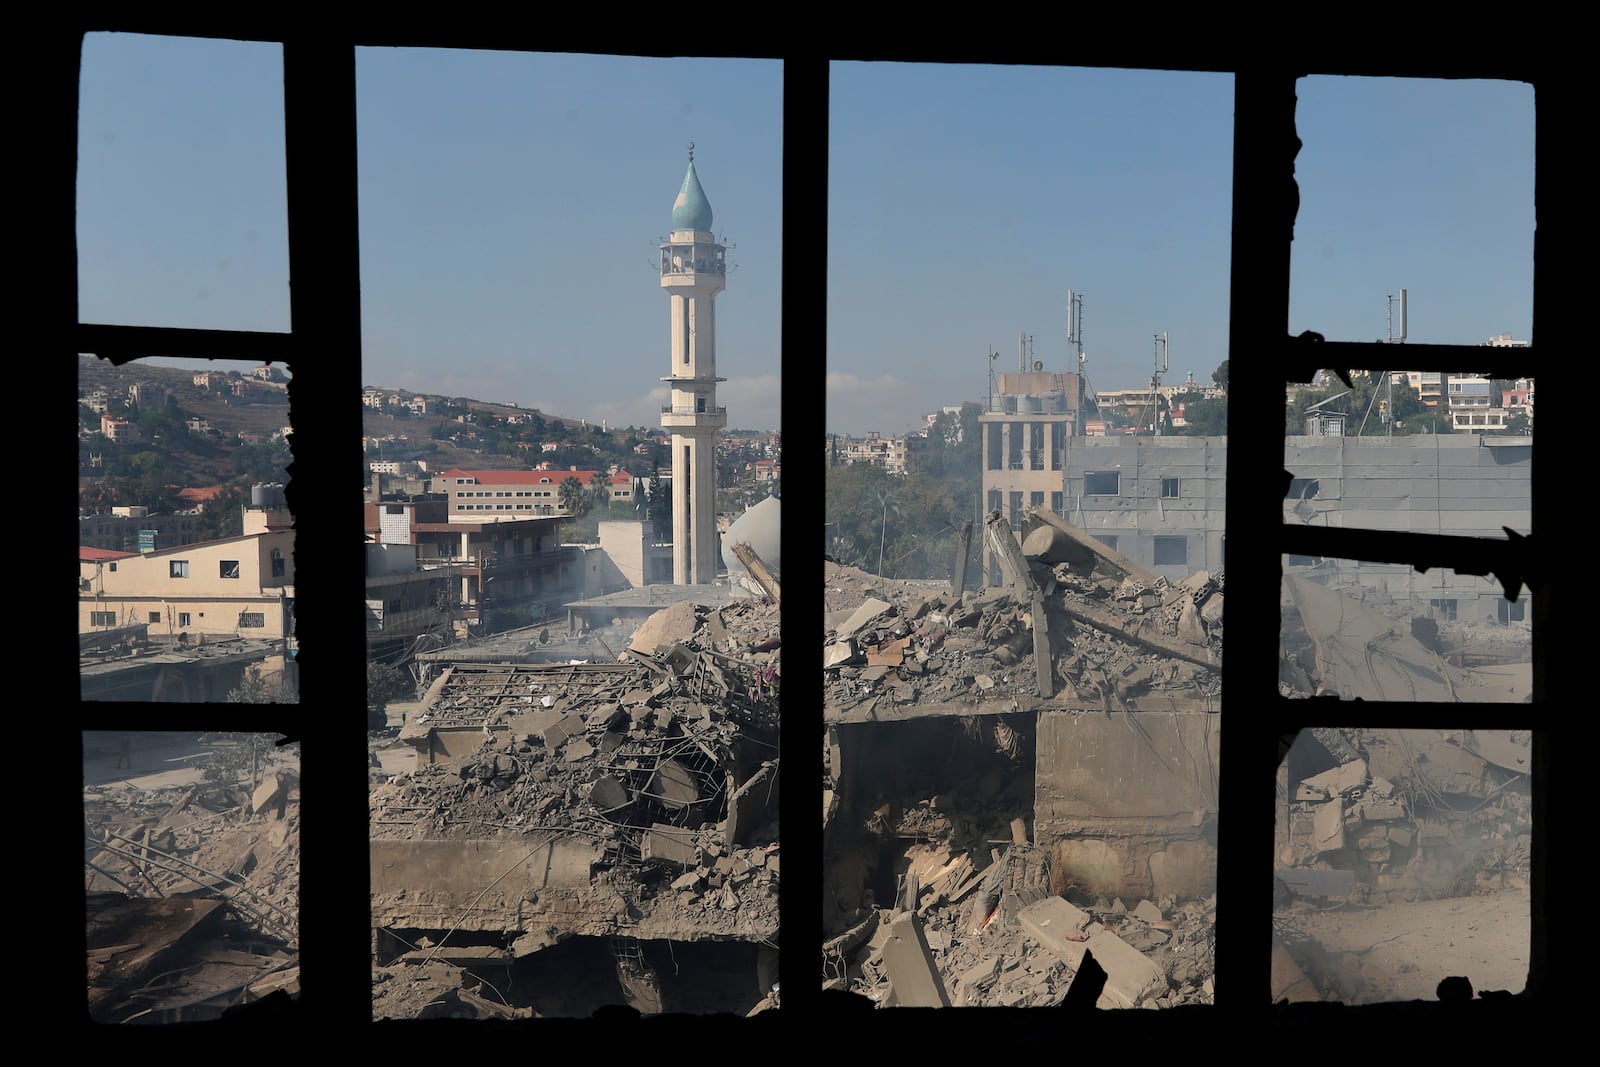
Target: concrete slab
1131, 978
869, 610
907, 958
1338, 781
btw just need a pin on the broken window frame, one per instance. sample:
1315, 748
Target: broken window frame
323, 349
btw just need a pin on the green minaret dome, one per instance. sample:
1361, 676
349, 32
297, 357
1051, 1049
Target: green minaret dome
691, 211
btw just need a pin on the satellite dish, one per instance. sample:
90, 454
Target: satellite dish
1038, 364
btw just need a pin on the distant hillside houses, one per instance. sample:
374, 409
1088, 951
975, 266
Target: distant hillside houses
379, 400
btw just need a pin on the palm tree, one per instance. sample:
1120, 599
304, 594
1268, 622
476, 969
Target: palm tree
574, 501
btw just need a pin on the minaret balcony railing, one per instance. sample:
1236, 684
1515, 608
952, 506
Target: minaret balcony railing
668, 409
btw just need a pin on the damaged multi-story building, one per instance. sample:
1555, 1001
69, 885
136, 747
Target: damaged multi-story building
588, 833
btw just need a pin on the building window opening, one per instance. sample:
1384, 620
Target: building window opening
1171, 551
1102, 483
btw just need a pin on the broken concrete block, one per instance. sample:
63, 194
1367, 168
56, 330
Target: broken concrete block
909, 963
669, 626
602, 715
1131, 979
1328, 830
554, 727
1379, 809
839, 653
868, 611
1337, 782
268, 799
980, 973
608, 794
1148, 912
669, 844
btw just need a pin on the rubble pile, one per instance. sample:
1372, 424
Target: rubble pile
1077, 630
662, 766
1385, 816
1115, 634
1362, 645
193, 894
1402, 857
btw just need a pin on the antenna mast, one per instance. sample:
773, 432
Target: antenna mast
1075, 340
1155, 376
1402, 301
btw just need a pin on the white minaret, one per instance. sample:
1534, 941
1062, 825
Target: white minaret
693, 271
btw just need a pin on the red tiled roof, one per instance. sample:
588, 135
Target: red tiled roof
524, 477
88, 554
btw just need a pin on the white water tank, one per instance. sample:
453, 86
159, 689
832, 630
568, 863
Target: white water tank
758, 527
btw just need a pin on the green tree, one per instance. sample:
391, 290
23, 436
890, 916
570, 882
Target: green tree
237, 758
1516, 425
573, 498
256, 688
1220, 376
385, 683
658, 506
1204, 418
223, 514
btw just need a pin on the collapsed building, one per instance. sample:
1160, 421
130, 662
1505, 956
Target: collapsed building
192, 889
580, 834
1378, 818
1018, 776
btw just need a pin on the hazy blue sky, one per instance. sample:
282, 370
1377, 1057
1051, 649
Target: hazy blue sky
511, 210
511, 205
965, 202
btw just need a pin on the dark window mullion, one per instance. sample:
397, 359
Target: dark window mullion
1263, 206
325, 315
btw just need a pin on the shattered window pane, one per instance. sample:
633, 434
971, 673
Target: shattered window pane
191, 850
1402, 865
1373, 631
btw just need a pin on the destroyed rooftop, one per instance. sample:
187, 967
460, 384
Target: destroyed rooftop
640, 795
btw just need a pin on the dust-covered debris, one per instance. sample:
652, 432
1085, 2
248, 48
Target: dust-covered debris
942, 831
193, 879
614, 804
1373, 821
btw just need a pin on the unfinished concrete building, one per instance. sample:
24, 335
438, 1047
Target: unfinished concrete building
1160, 502
588, 833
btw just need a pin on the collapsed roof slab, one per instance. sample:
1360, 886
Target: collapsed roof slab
545, 891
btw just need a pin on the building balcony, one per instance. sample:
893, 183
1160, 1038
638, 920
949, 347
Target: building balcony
680, 418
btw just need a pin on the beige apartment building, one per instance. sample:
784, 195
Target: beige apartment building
236, 586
